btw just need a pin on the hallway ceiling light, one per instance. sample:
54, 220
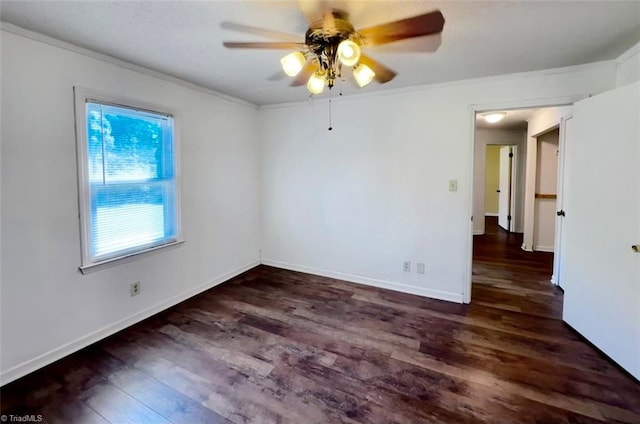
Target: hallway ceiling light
493, 117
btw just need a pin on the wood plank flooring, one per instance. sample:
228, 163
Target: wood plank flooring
275, 346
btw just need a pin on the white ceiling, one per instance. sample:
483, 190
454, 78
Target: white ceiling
480, 38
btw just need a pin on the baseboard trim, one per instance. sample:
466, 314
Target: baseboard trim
555, 282
478, 232
543, 249
359, 279
55, 354
490, 214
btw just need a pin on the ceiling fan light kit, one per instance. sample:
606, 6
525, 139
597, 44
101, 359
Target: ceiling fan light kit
293, 63
363, 74
348, 52
332, 43
316, 83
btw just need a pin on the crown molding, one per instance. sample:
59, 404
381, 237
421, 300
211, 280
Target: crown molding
452, 84
36, 36
14, 29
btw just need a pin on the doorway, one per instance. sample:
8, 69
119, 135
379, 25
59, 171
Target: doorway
546, 189
500, 184
525, 177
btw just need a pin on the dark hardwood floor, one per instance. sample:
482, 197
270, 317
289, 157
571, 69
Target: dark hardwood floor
275, 346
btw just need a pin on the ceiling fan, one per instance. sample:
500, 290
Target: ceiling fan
331, 43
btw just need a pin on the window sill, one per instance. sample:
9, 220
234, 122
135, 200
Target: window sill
88, 269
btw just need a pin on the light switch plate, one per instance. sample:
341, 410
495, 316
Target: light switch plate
453, 185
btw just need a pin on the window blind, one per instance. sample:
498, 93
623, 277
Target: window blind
131, 180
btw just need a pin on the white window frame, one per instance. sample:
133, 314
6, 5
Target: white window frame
82, 96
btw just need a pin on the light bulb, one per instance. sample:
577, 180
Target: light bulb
292, 63
494, 117
348, 52
363, 74
316, 83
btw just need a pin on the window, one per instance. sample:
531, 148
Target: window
127, 179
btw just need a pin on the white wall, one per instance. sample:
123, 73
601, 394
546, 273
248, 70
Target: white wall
541, 122
357, 201
48, 308
628, 66
484, 137
546, 183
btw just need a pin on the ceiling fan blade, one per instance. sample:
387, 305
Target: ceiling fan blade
383, 74
263, 45
276, 35
426, 44
417, 26
309, 69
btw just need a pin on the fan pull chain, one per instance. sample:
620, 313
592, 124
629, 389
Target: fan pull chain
330, 127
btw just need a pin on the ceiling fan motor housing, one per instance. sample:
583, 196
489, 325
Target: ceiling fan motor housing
323, 38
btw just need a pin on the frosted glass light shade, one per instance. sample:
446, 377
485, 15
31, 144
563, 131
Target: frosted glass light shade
292, 63
363, 75
348, 52
494, 117
316, 83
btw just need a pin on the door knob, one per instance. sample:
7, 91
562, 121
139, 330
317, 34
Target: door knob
560, 213
636, 248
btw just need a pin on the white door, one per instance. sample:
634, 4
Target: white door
602, 271
504, 189
566, 131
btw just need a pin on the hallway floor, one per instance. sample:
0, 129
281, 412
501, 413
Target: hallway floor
506, 277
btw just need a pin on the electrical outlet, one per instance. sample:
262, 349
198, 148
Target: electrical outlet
135, 288
420, 267
406, 266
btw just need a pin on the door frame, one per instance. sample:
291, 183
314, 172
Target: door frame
473, 110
